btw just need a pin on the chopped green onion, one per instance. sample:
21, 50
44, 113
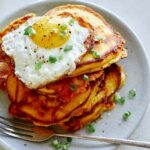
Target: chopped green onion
66, 146
71, 21
63, 26
56, 144
122, 100
63, 34
95, 54
60, 57
126, 115
132, 93
38, 65
117, 97
90, 128
29, 31
99, 38
73, 87
52, 59
68, 48
69, 139
85, 77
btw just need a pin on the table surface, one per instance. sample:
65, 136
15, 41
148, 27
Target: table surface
136, 14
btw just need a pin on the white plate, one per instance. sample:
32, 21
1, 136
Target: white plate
135, 65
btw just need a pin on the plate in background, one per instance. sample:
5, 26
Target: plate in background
135, 65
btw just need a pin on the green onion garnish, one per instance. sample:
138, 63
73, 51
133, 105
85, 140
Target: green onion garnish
60, 57
90, 128
85, 77
132, 93
122, 100
61, 145
73, 87
117, 97
69, 139
65, 146
63, 26
63, 34
126, 115
71, 21
38, 65
95, 54
68, 48
52, 59
29, 31
56, 144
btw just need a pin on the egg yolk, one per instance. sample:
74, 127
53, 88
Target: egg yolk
50, 34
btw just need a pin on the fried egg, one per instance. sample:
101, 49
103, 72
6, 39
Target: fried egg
45, 48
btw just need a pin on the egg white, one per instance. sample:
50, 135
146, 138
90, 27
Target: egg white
26, 53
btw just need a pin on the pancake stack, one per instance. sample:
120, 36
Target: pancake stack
81, 97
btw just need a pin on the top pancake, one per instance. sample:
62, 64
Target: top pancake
110, 48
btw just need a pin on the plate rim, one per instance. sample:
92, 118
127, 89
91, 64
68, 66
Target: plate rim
82, 2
